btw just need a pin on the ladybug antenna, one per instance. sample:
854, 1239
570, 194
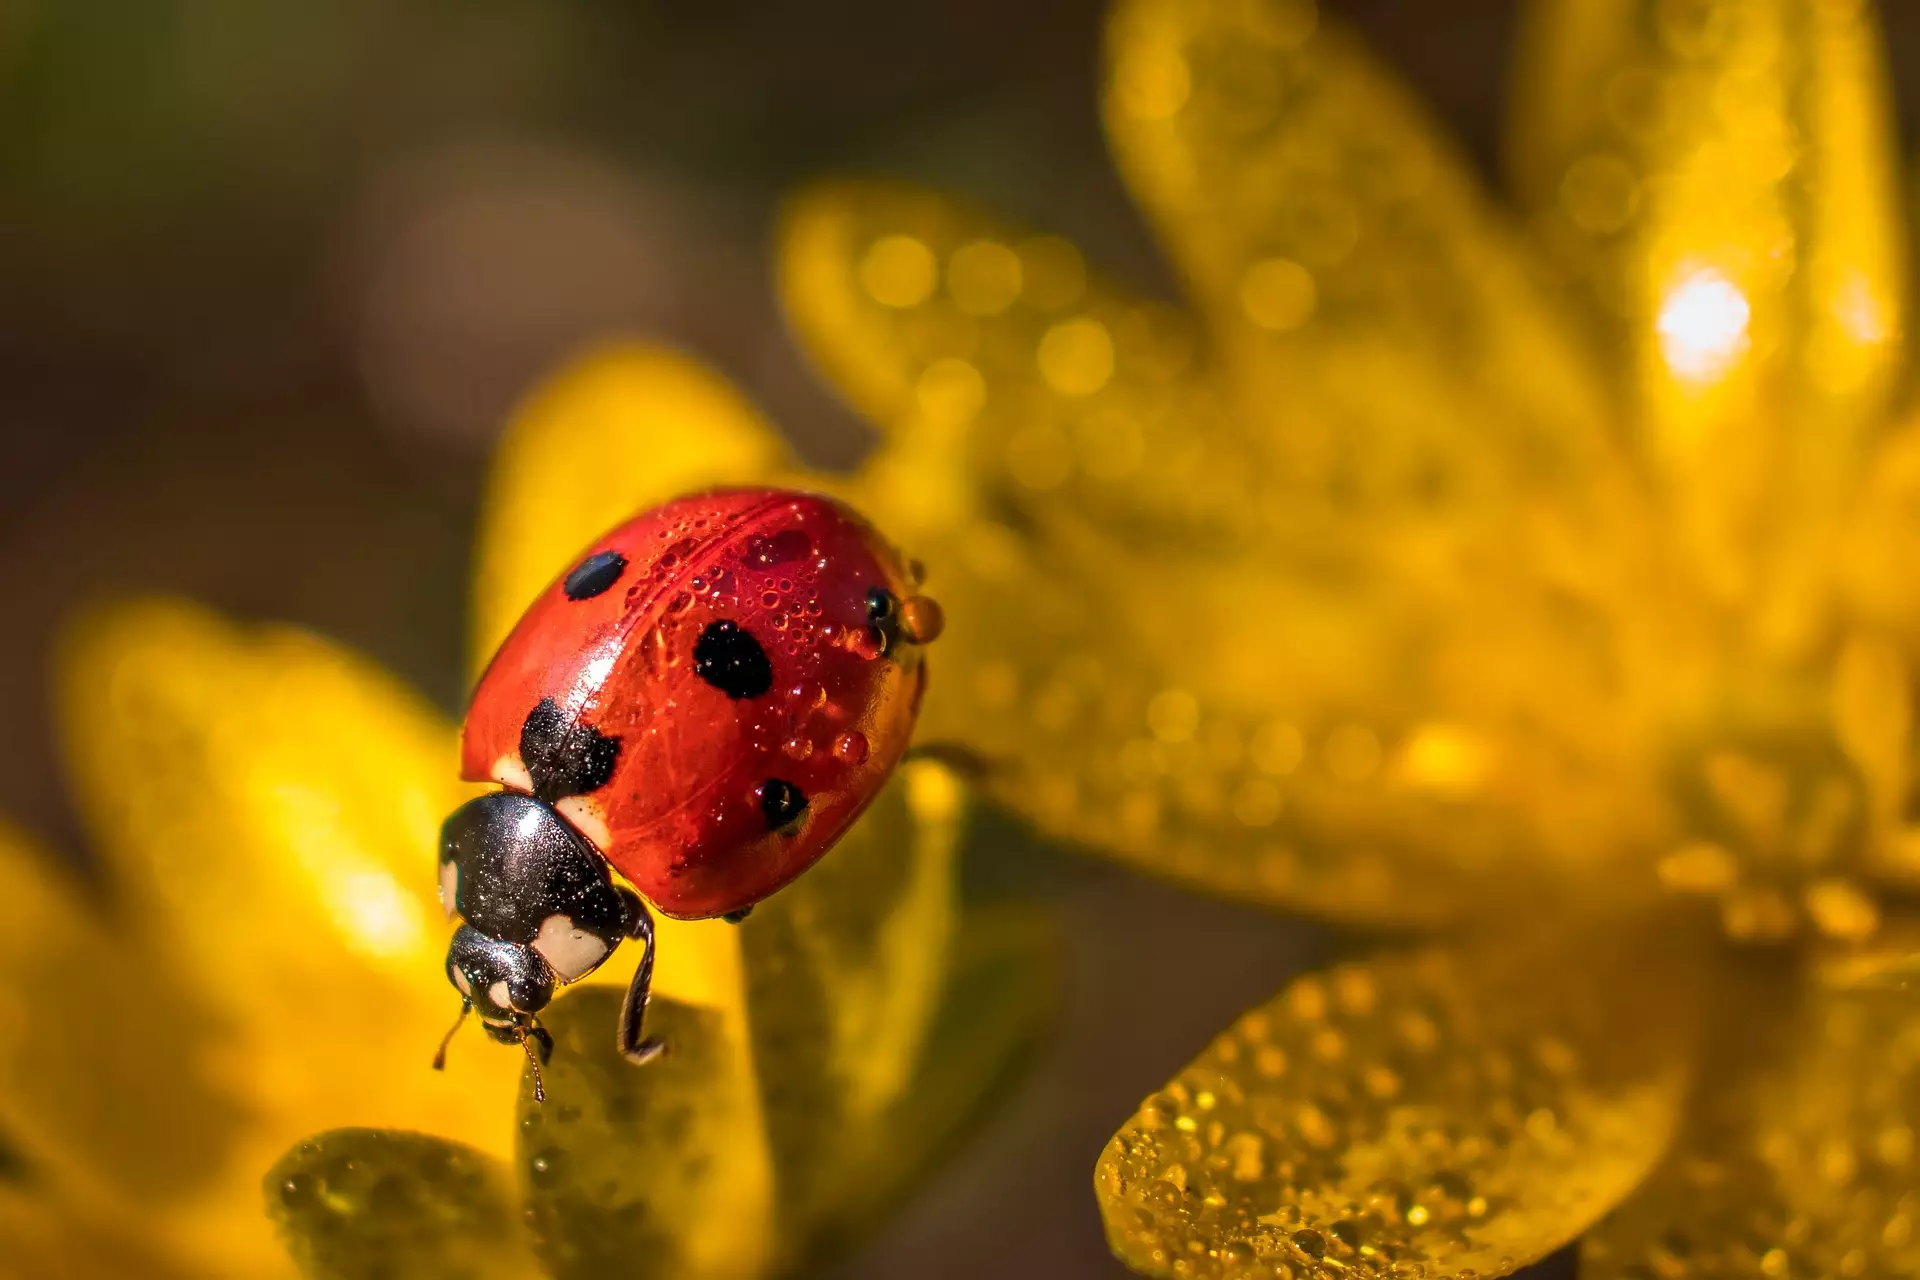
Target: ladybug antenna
440, 1054
533, 1060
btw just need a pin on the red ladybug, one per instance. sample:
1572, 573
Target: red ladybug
706, 701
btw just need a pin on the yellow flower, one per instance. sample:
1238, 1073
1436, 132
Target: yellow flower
1544, 583
251, 1003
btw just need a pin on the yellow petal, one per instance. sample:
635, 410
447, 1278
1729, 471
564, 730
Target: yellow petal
819, 1004
1004, 372
1725, 177
1881, 540
844, 974
1377, 319
1004, 989
1798, 1155
655, 1170
81, 1110
267, 805
1449, 1112
1873, 718
1309, 739
45, 1238
95, 1143
353, 1203
1261, 713
620, 429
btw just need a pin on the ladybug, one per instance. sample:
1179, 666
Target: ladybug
703, 703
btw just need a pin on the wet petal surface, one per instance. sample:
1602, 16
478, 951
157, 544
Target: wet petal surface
355, 1203
1452, 1112
1797, 1158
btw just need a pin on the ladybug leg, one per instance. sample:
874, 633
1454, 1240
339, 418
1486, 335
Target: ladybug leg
633, 1010
528, 1036
542, 1037
735, 917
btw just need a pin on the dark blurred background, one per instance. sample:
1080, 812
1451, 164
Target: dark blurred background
274, 272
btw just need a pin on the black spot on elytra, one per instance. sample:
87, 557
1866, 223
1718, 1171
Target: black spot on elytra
732, 661
594, 574
781, 802
564, 757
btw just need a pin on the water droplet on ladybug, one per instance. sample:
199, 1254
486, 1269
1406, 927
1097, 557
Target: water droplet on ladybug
799, 747
807, 694
770, 598
850, 748
788, 544
863, 642
679, 602
922, 620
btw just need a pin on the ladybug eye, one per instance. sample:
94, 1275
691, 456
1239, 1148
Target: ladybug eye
880, 604
781, 802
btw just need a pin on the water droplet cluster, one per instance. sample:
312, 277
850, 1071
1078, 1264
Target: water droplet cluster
1799, 1161
591, 1207
354, 1202
1371, 1117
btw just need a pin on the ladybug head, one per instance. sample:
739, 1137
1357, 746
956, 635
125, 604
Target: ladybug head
539, 910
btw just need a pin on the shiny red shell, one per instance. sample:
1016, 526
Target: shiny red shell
683, 814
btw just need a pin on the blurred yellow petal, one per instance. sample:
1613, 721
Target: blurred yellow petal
1446, 1112
1873, 712
620, 429
40, 1237
1725, 177
1376, 318
84, 1171
146, 1126
353, 1203
268, 805
1004, 986
1798, 1157
1881, 541
1275, 733
1004, 372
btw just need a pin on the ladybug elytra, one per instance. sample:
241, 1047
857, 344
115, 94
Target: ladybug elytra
703, 703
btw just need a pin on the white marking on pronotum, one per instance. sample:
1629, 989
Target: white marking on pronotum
573, 952
511, 774
587, 819
499, 994
449, 886
460, 981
